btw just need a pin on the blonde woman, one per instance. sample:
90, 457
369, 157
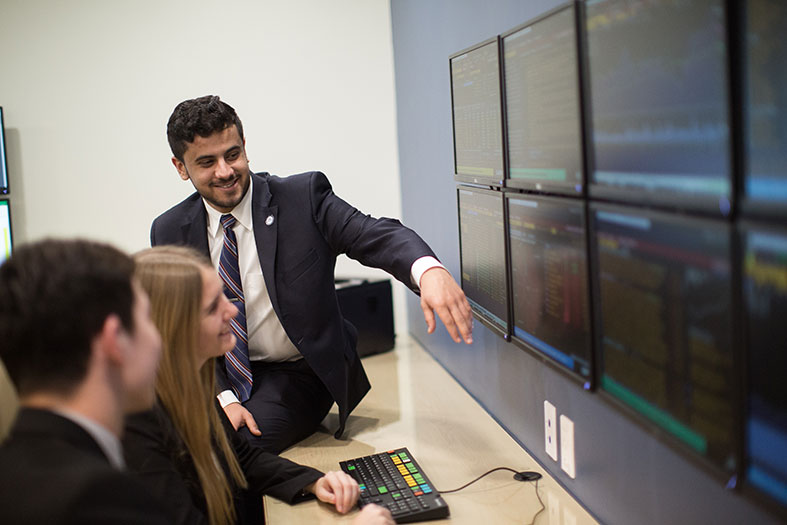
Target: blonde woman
185, 449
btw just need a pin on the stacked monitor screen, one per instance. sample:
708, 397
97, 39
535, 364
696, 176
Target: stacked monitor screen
483, 255
765, 108
3, 157
477, 114
764, 262
6, 245
642, 212
542, 101
659, 103
549, 280
664, 322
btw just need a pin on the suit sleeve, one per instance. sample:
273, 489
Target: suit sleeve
268, 473
380, 243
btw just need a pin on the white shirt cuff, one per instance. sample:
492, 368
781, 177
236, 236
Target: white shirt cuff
227, 397
420, 266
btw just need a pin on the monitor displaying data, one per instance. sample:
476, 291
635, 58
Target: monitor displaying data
3, 157
663, 313
659, 103
543, 104
5, 231
477, 113
764, 264
765, 108
549, 280
483, 255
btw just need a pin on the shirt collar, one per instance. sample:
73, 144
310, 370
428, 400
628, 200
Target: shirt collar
107, 441
241, 212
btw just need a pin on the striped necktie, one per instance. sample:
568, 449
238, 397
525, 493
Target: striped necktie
236, 361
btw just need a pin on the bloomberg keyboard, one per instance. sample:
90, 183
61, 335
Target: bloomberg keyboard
394, 480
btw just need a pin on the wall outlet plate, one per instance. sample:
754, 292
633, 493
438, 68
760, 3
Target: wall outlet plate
550, 429
567, 462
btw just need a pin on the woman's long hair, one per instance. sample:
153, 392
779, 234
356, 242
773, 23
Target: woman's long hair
171, 276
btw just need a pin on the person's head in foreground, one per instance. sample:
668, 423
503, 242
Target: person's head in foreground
76, 331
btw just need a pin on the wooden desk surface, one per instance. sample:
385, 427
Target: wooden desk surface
415, 403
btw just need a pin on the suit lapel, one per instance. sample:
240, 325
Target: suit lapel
194, 227
266, 227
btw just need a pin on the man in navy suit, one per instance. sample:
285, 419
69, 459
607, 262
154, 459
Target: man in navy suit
301, 352
82, 352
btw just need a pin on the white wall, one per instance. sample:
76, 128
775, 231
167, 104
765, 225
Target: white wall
87, 87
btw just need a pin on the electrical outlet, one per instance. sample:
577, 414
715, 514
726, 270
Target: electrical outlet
567, 462
550, 429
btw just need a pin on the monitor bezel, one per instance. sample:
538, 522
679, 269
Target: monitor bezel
728, 477
568, 189
637, 196
504, 332
494, 181
4, 190
587, 383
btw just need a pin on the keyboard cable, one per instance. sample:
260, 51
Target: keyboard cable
526, 475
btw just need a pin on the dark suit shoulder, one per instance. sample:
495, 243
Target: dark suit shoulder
169, 223
184, 223
150, 441
176, 212
307, 193
60, 476
152, 425
158, 457
298, 182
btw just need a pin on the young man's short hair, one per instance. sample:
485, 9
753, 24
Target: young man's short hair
201, 116
55, 296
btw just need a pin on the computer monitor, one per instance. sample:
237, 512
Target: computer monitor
662, 287
542, 95
477, 114
6, 242
764, 272
3, 157
482, 250
549, 281
765, 109
659, 104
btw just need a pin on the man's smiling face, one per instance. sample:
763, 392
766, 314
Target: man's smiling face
217, 167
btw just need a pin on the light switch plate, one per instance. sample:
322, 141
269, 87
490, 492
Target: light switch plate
567, 462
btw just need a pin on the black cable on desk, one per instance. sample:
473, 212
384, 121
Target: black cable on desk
526, 475
542, 505
476, 479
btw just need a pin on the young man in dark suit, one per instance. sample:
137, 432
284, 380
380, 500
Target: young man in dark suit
78, 343
298, 353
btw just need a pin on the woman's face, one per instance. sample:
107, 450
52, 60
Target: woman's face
216, 337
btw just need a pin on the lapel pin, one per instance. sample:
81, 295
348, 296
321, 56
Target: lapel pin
269, 220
